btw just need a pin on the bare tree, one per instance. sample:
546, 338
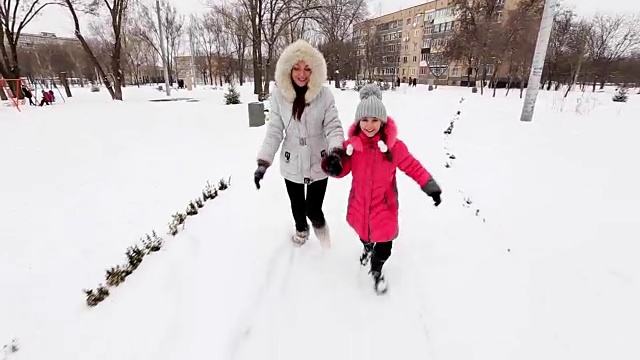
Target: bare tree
279, 14
236, 27
75, 6
254, 10
173, 25
299, 28
206, 34
576, 51
611, 38
335, 20
478, 26
15, 15
559, 47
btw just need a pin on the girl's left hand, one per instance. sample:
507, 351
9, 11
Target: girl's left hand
436, 198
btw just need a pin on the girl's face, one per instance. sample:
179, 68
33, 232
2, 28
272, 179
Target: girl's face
300, 73
370, 126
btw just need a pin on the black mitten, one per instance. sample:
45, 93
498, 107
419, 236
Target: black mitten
259, 173
334, 164
433, 190
436, 198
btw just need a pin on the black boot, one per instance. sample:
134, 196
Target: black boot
379, 283
366, 253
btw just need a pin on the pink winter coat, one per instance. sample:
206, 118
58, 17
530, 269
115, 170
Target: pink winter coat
373, 201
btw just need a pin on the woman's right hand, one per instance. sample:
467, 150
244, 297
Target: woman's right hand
258, 175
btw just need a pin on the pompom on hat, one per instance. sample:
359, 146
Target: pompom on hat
371, 104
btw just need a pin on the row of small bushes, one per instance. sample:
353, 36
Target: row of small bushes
150, 244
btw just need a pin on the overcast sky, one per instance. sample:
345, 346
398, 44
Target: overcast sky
56, 20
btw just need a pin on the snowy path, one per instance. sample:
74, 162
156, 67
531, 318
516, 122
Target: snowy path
546, 270
321, 305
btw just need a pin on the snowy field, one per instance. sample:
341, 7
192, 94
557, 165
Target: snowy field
532, 255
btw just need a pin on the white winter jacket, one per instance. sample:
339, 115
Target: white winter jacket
307, 141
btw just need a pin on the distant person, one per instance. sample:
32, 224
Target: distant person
27, 93
53, 96
46, 98
303, 118
372, 154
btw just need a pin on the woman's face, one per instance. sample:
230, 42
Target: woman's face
370, 126
300, 73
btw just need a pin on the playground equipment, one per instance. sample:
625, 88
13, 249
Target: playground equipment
11, 93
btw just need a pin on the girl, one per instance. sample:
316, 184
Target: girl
304, 119
373, 152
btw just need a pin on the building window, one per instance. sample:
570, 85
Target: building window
404, 59
423, 57
426, 43
409, 21
416, 33
415, 58
448, 26
428, 30
417, 19
413, 71
455, 71
415, 46
406, 47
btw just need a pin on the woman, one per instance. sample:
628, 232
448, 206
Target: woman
304, 115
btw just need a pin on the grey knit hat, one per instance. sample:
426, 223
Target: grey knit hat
371, 104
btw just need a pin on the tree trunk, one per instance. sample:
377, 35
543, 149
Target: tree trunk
88, 50
115, 68
267, 70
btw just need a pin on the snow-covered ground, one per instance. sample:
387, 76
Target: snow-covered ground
533, 253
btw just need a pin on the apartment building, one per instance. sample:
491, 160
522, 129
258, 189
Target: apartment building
408, 44
28, 40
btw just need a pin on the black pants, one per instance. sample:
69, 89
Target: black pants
311, 206
381, 253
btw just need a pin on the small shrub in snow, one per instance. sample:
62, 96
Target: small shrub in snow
622, 95
199, 203
191, 209
94, 297
151, 243
222, 185
135, 255
209, 192
232, 97
117, 275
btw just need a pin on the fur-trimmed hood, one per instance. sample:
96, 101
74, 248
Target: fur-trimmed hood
355, 142
296, 51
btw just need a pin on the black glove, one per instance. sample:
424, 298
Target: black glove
258, 175
436, 198
334, 164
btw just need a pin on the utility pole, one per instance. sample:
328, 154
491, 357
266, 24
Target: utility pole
163, 50
537, 65
191, 50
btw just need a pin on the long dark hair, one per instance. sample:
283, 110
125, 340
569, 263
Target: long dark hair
299, 103
383, 136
